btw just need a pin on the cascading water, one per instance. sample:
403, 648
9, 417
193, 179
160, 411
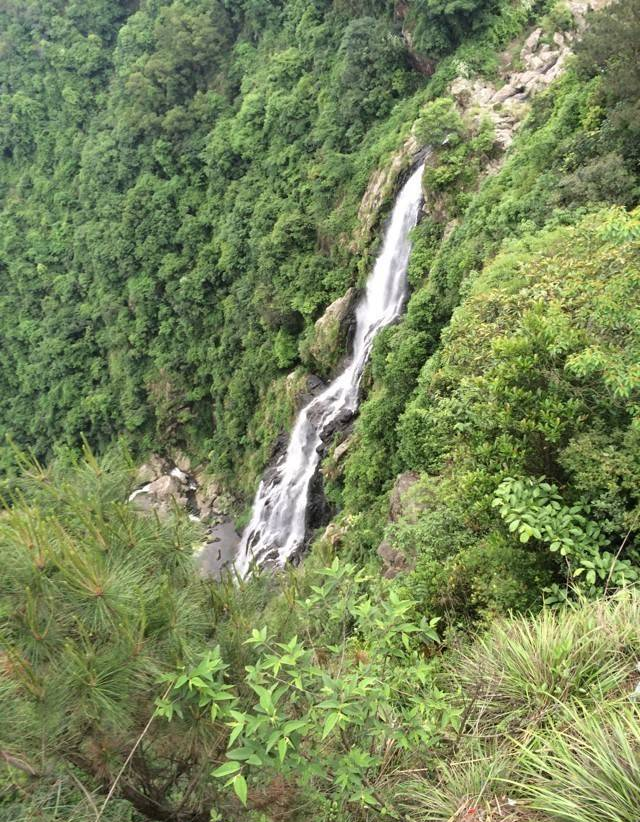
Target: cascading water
279, 519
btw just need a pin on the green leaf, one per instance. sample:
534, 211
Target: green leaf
240, 787
266, 703
282, 749
235, 733
330, 724
225, 769
293, 725
240, 753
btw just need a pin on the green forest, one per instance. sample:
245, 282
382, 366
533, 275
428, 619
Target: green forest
186, 186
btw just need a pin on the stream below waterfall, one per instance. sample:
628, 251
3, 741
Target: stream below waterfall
278, 525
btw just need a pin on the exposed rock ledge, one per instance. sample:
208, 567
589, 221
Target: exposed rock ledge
542, 63
505, 106
167, 484
332, 331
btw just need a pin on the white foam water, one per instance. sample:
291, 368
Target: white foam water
279, 516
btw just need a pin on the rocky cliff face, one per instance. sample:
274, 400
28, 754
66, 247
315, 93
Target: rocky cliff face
526, 72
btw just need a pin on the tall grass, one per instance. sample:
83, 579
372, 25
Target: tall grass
470, 787
522, 669
550, 732
588, 768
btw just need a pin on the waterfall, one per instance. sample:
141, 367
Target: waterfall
278, 522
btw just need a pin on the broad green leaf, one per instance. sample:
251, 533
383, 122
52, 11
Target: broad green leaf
240, 787
330, 724
225, 769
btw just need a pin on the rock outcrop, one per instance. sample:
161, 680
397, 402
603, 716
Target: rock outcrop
402, 502
394, 562
168, 485
332, 330
540, 63
381, 186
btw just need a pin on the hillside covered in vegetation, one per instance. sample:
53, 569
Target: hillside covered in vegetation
187, 187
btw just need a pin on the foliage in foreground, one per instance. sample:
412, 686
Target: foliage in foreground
323, 688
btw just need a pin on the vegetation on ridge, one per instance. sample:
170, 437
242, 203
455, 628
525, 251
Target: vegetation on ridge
323, 691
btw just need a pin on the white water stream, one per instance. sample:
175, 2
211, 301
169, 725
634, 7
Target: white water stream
278, 523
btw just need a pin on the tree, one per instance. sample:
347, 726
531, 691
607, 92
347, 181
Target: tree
95, 602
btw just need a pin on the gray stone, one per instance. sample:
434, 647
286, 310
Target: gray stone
153, 468
394, 562
503, 94
331, 328
398, 502
341, 449
531, 43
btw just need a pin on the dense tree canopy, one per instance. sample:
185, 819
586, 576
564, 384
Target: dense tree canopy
168, 174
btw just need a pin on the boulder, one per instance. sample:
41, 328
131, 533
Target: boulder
153, 468
394, 562
503, 94
161, 494
182, 461
531, 43
461, 90
210, 500
401, 502
331, 330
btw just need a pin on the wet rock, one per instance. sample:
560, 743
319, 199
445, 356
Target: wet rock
219, 551
182, 462
319, 510
313, 385
341, 422
162, 494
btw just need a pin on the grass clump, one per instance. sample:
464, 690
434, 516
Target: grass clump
549, 732
519, 672
587, 769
